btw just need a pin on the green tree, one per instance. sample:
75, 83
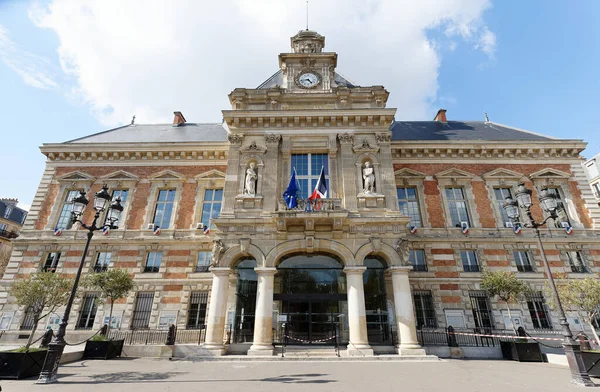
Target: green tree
39, 291
506, 286
582, 296
113, 284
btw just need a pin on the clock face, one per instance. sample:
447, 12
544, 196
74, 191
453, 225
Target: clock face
308, 80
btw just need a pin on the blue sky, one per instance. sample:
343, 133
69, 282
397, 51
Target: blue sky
66, 73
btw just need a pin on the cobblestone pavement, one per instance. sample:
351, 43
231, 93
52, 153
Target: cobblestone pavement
150, 375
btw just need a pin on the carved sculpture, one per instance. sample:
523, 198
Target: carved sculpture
403, 251
369, 178
250, 183
217, 251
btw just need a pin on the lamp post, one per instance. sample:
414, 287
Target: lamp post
101, 201
579, 374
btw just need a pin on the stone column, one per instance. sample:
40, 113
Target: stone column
263, 316
357, 320
217, 311
405, 313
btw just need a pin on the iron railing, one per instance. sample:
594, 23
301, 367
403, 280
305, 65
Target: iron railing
158, 337
317, 205
8, 234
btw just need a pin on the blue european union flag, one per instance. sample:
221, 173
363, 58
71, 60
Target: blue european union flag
290, 194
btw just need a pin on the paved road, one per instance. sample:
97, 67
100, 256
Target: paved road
149, 375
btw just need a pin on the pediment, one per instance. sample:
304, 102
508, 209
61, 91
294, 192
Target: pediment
455, 173
549, 173
76, 176
120, 175
167, 175
502, 173
406, 172
211, 174
253, 148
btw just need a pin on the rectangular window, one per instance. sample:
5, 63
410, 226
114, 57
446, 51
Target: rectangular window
102, 261
51, 262
308, 169
457, 204
142, 310
164, 208
523, 261
409, 205
417, 260
203, 261
65, 218
6, 320
211, 207
538, 311
576, 262
7, 211
88, 312
481, 310
153, 262
596, 189
424, 311
27, 324
197, 310
469, 261
3, 226
561, 208
123, 194
501, 194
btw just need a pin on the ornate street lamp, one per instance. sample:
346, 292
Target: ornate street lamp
101, 201
579, 374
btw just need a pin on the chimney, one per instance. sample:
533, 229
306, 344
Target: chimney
178, 119
441, 116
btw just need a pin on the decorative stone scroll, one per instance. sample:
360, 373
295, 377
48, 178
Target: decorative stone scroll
236, 138
346, 138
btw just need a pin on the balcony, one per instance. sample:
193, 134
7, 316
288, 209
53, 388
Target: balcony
8, 234
312, 206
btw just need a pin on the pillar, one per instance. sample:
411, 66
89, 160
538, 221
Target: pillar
405, 313
262, 344
217, 311
357, 319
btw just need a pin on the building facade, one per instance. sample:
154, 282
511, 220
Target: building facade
592, 170
11, 221
411, 216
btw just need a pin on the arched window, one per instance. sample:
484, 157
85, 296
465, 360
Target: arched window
378, 328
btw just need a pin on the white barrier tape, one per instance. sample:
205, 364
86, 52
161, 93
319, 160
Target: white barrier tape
310, 341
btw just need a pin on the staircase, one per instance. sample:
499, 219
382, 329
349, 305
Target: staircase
299, 352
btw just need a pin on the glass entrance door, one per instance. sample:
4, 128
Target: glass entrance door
310, 320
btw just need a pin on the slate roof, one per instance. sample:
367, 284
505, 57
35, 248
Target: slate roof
277, 80
460, 130
156, 133
17, 214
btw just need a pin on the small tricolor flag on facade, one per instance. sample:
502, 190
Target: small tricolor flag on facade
413, 229
206, 230
517, 228
156, 230
569, 230
57, 231
106, 230
464, 226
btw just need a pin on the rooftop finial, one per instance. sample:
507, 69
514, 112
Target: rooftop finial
306, 15
487, 119
133, 120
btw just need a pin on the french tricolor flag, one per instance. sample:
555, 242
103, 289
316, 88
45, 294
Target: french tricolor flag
320, 191
206, 230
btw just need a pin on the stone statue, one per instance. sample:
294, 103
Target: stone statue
217, 251
369, 178
250, 187
403, 251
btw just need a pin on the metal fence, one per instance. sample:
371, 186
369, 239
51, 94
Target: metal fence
159, 337
451, 337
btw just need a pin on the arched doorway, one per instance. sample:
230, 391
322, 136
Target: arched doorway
310, 297
378, 327
247, 280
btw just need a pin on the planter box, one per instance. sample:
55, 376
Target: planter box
522, 352
103, 350
21, 365
591, 361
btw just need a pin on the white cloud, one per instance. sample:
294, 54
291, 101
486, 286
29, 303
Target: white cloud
151, 57
33, 69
